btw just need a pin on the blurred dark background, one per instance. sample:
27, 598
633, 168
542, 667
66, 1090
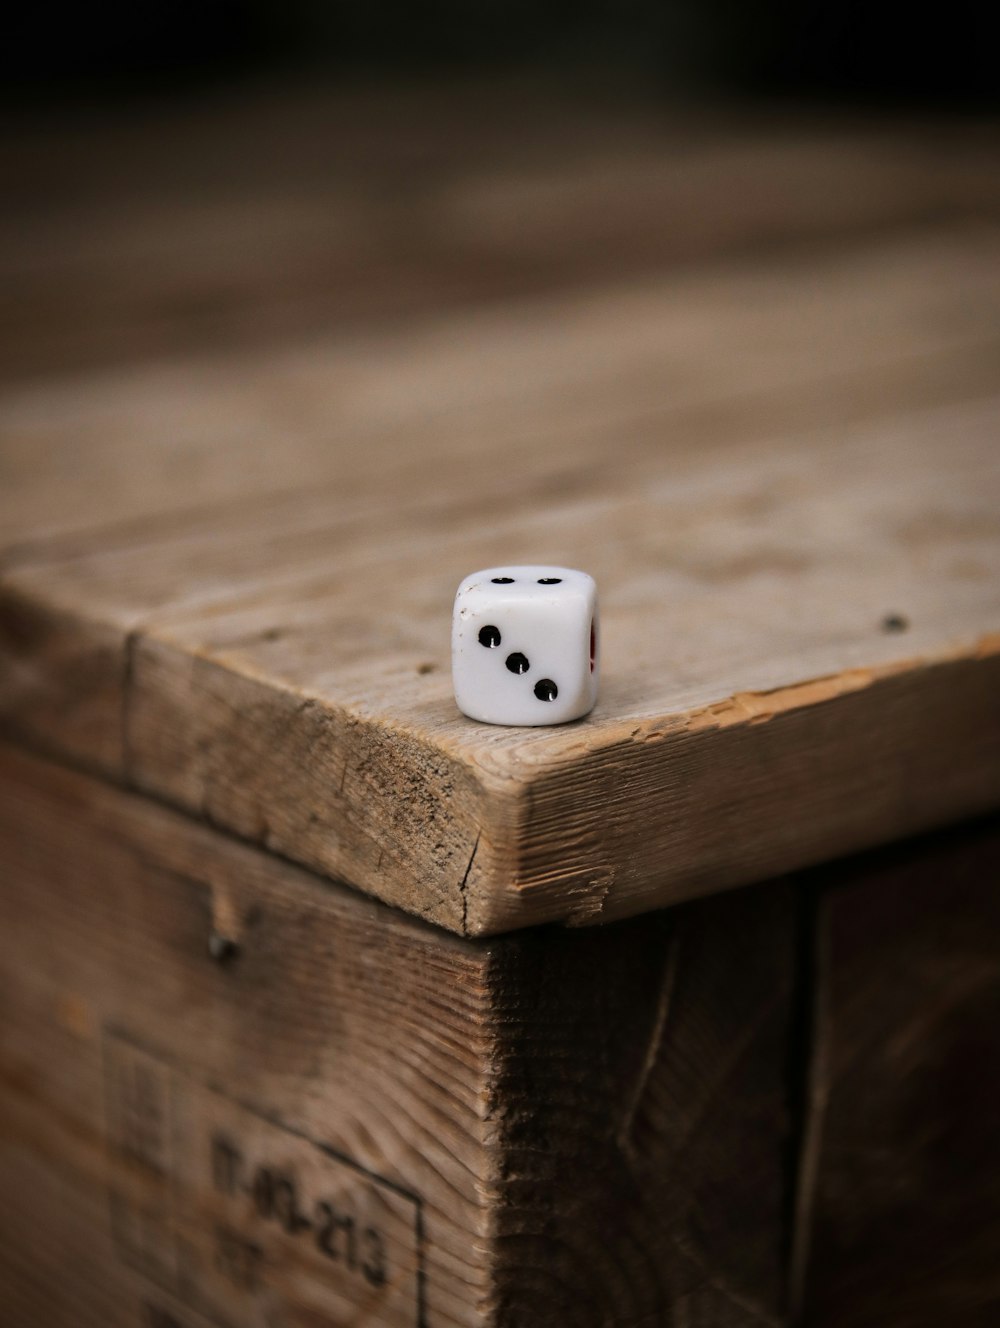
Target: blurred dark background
867, 54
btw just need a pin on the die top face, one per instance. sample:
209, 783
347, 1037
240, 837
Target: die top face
498, 584
524, 645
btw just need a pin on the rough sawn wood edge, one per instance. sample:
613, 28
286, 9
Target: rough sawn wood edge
648, 814
760, 785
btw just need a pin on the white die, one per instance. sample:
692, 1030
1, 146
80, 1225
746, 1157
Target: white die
524, 645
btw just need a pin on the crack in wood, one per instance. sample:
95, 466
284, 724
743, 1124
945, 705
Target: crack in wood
656, 1038
463, 887
130, 645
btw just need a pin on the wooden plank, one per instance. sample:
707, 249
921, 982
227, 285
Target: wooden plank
129, 1053
267, 214
63, 681
582, 1235
187, 505
533, 400
761, 469
900, 1206
190, 1138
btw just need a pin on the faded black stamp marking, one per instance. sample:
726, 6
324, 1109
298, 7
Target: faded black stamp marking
246, 1220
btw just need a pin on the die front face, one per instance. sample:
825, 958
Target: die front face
524, 645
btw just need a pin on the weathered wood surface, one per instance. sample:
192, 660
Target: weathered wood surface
900, 1205
262, 214
650, 1189
350, 1117
227, 582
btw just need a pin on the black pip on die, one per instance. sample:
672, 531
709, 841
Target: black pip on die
524, 645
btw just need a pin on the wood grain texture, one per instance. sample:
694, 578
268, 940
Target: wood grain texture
647, 1180
544, 1129
900, 1208
265, 214
227, 581
347, 1024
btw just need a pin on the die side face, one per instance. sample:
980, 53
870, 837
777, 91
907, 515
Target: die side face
524, 645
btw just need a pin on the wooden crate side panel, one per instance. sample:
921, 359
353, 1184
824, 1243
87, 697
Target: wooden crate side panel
647, 1119
348, 1116
900, 1209
292, 1133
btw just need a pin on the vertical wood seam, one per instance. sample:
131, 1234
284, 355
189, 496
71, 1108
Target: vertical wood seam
656, 1038
130, 645
812, 1081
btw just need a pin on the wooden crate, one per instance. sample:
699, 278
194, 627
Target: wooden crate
346, 1116
323, 1005
236, 1094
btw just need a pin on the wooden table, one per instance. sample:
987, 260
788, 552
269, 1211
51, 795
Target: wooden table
283, 369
